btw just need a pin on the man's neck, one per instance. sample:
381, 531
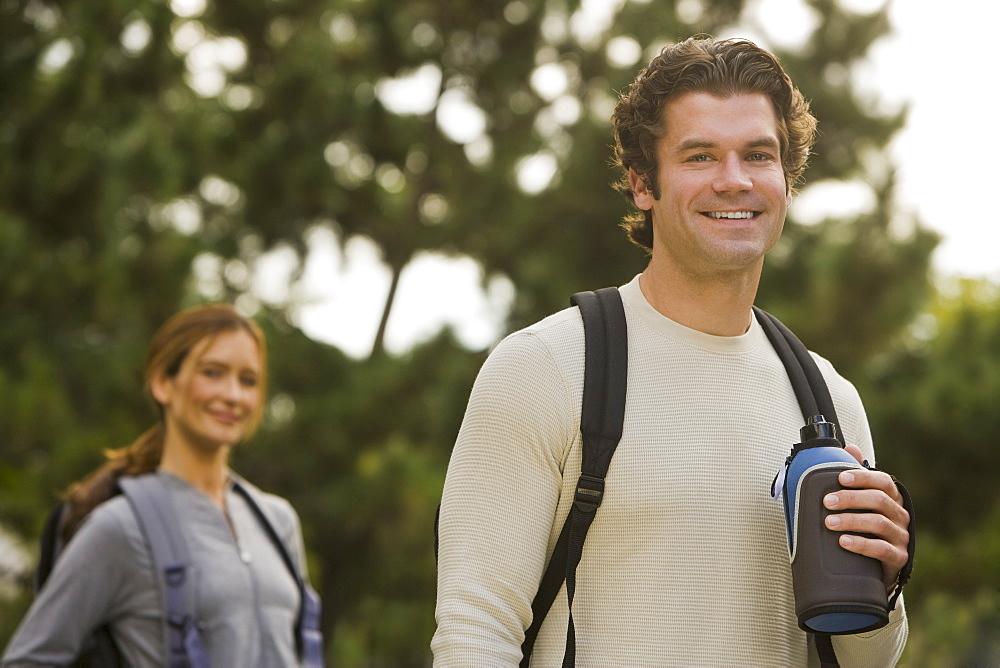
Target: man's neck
718, 304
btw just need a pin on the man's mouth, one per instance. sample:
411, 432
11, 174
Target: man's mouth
730, 215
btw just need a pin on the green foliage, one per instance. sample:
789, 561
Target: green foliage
957, 621
13, 608
362, 451
931, 402
135, 183
846, 270
936, 409
950, 630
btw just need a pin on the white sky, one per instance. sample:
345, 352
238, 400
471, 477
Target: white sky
935, 59
942, 58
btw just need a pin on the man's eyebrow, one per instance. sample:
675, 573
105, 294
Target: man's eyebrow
764, 142
760, 142
690, 144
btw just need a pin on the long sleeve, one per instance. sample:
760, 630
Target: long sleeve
82, 593
881, 647
499, 505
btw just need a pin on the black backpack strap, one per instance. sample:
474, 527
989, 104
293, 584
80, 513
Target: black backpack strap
308, 636
157, 517
601, 423
50, 545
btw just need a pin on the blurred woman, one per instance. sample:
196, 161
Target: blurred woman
206, 370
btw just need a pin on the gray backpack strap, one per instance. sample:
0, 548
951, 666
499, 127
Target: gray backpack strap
157, 517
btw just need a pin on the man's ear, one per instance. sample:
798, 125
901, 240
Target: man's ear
161, 387
641, 194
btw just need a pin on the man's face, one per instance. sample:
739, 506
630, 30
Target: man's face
723, 194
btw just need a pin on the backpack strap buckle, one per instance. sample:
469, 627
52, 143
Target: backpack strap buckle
589, 493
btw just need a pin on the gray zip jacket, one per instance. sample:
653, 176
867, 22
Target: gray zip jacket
247, 601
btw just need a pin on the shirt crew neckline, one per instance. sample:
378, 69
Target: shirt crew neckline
181, 484
636, 302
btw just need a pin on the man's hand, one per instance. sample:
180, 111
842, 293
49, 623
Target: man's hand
888, 521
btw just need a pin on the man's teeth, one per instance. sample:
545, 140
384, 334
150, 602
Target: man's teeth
730, 214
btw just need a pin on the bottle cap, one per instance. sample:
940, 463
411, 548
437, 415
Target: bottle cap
817, 427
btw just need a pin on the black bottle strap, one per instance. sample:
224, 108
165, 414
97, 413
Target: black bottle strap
807, 380
814, 399
911, 546
824, 648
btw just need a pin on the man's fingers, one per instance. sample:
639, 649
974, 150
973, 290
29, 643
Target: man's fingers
875, 500
871, 505
890, 556
872, 523
867, 479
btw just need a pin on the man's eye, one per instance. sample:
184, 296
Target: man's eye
701, 157
758, 157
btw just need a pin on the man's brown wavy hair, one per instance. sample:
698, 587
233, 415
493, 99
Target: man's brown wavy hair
723, 68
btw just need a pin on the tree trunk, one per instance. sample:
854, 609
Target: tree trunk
378, 348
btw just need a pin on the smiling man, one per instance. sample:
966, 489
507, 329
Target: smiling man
686, 562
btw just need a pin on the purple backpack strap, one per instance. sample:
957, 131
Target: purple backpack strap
154, 509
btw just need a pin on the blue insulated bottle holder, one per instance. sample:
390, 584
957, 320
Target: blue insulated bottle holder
836, 591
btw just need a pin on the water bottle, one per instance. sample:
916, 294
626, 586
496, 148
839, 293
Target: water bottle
836, 591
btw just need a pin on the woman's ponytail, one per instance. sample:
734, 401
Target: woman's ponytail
142, 456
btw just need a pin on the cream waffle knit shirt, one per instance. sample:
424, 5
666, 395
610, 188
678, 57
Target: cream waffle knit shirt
686, 563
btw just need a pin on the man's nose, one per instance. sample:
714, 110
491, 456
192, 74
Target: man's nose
732, 175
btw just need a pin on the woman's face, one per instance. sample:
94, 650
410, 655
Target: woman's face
215, 394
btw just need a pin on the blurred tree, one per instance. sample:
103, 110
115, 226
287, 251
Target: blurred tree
89, 264
155, 152
362, 450
937, 394
936, 421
